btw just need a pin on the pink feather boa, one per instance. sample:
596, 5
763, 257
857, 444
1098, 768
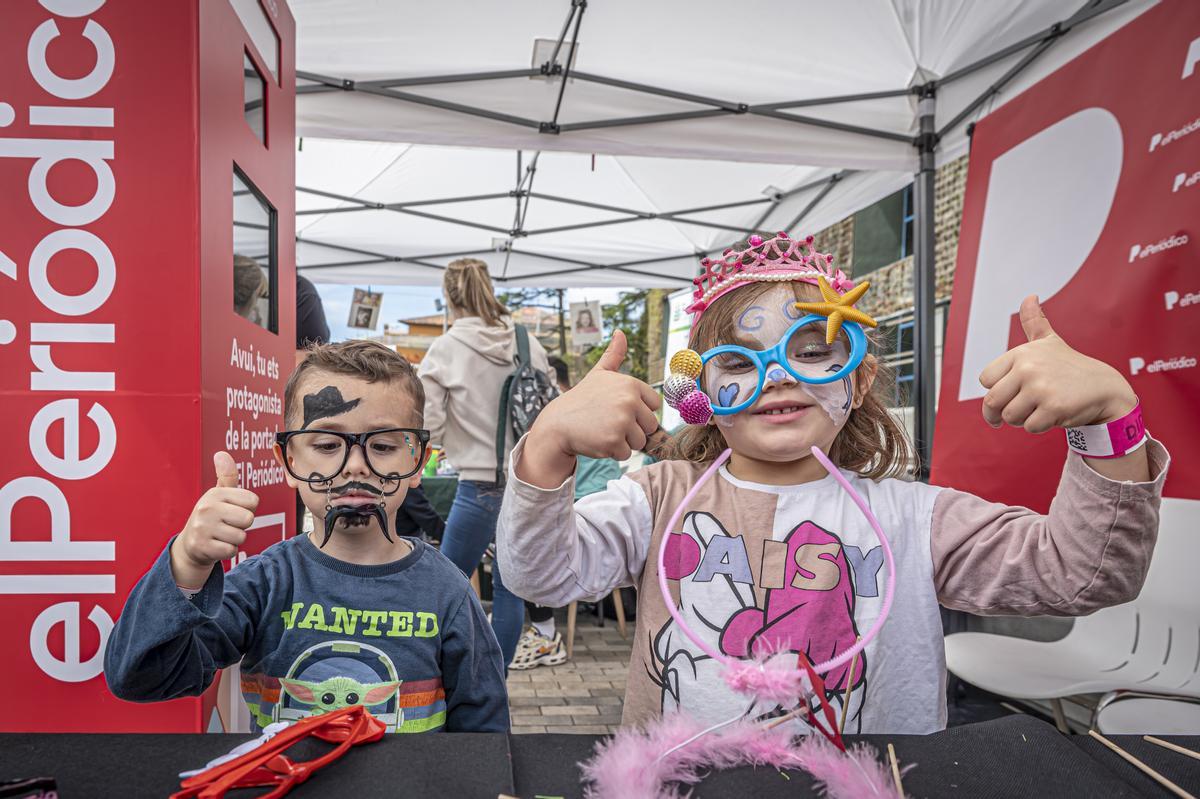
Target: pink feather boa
632, 765
768, 678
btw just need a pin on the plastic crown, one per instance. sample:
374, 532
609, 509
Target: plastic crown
780, 259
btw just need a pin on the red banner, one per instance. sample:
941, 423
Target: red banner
1084, 190
122, 362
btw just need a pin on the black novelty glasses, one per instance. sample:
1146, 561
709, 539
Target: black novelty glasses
318, 456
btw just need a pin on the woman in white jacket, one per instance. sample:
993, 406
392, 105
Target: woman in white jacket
463, 374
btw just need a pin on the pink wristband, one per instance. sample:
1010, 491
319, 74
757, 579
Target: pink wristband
1112, 440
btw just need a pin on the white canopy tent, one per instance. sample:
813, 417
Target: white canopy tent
687, 105
625, 139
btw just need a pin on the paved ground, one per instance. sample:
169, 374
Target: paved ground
582, 695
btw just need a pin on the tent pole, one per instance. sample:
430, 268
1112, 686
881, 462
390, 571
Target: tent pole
562, 327
924, 286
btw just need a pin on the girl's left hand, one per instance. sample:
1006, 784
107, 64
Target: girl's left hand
1044, 383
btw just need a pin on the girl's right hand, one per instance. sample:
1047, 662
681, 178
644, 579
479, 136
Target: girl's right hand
216, 528
606, 415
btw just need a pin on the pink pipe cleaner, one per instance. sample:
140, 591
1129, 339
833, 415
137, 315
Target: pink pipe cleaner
654, 762
753, 675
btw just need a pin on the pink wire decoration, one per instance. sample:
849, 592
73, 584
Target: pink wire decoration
720, 657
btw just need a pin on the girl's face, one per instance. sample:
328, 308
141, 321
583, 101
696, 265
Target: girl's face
789, 417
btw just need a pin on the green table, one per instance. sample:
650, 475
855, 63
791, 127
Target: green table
440, 491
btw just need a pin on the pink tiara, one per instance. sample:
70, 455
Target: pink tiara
778, 260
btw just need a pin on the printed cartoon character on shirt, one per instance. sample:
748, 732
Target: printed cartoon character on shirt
339, 674
803, 601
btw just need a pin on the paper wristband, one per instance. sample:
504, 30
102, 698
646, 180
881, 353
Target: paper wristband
1112, 440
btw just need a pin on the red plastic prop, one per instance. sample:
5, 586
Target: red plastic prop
268, 766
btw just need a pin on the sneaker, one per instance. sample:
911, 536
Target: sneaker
535, 650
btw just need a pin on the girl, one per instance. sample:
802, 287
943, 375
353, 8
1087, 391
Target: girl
463, 373
772, 556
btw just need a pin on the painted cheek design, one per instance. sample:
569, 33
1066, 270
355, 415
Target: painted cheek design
834, 398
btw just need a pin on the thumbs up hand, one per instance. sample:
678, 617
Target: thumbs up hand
216, 528
1043, 383
606, 415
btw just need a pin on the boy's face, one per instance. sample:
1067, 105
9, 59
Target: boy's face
346, 404
801, 414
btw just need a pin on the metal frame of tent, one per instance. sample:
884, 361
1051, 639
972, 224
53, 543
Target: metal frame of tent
925, 142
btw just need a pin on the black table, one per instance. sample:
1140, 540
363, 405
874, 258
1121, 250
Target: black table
1011, 757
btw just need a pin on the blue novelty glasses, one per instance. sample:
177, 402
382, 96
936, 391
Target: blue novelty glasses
733, 376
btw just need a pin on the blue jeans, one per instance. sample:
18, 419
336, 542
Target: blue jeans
469, 529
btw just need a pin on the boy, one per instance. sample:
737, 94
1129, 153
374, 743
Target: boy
348, 614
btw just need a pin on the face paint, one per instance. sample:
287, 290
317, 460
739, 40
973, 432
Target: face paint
833, 398
727, 395
325, 403
752, 318
769, 325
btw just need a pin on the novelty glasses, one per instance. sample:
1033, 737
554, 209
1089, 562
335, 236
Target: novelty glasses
733, 376
318, 456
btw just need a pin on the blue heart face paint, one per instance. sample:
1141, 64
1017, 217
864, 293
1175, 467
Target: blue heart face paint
727, 395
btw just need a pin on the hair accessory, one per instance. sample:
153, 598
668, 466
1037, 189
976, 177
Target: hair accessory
681, 391
1112, 440
778, 260
838, 308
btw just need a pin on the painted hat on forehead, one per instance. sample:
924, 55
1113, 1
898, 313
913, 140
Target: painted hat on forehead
778, 260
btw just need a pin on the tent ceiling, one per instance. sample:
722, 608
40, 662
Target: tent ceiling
722, 73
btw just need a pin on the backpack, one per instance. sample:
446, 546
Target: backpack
526, 391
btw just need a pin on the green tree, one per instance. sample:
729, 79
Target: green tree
629, 314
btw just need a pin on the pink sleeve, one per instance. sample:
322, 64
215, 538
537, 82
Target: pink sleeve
1090, 551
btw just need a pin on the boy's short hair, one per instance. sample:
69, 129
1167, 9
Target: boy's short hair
366, 360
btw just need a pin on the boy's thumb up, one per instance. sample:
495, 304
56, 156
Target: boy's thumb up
1033, 319
614, 356
226, 468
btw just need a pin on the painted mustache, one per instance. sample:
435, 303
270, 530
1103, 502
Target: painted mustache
354, 486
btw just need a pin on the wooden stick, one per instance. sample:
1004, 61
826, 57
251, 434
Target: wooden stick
1171, 746
846, 696
895, 769
773, 723
1149, 772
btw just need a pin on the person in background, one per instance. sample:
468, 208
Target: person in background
417, 517
463, 374
311, 327
541, 644
249, 285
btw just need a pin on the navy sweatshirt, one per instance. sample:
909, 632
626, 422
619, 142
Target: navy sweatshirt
407, 639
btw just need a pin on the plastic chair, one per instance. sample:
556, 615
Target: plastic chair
573, 611
1150, 645
1137, 713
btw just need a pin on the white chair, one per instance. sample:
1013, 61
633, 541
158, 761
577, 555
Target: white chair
1137, 713
1150, 646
